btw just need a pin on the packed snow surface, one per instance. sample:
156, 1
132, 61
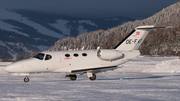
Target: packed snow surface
141, 79
172, 66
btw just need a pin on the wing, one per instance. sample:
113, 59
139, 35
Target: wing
94, 70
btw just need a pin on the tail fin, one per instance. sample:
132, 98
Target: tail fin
135, 38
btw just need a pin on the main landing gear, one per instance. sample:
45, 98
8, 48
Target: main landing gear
73, 77
26, 79
93, 77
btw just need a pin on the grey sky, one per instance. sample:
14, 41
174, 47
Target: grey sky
138, 9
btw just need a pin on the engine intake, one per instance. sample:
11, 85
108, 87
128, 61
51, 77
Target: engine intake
109, 55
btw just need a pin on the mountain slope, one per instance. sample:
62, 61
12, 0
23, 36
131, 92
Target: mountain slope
39, 30
109, 38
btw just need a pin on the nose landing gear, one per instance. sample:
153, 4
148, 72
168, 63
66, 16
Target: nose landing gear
26, 79
72, 77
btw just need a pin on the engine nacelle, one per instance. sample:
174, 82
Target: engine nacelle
109, 55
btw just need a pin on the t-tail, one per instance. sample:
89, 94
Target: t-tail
135, 38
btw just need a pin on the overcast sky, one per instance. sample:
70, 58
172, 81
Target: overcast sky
138, 9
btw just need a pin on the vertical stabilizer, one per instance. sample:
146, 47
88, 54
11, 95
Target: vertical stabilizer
135, 38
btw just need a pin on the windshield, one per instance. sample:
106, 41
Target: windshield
39, 56
48, 57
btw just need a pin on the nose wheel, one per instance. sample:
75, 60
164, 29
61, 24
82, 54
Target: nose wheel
26, 79
72, 77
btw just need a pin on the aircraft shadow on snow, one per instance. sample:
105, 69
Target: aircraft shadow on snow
136, 78
113, 79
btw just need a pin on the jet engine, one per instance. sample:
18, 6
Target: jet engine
109, 55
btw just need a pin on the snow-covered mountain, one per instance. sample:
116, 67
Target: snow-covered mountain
158, 42
25, 31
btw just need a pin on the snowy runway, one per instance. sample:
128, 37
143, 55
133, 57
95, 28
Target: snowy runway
138, 80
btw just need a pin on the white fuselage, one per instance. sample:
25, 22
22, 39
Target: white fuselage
77, 60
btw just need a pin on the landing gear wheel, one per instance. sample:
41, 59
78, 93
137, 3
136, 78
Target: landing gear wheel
93, 78
26, 79
72, 77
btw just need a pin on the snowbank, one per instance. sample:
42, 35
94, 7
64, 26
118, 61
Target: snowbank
4, 63
2, 67
170, 66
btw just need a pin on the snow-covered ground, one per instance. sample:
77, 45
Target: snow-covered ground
141, 79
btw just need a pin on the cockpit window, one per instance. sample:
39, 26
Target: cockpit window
48, 57
39, 56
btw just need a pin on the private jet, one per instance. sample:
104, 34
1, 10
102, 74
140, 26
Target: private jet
89, 62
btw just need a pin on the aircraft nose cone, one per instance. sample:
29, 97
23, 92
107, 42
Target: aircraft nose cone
9, 68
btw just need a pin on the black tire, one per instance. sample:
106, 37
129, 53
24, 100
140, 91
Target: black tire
72, 77
26, 79
93, 78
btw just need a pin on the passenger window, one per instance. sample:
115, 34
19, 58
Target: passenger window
67, 55
76, 55
84, 54
39, 56
48, 57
